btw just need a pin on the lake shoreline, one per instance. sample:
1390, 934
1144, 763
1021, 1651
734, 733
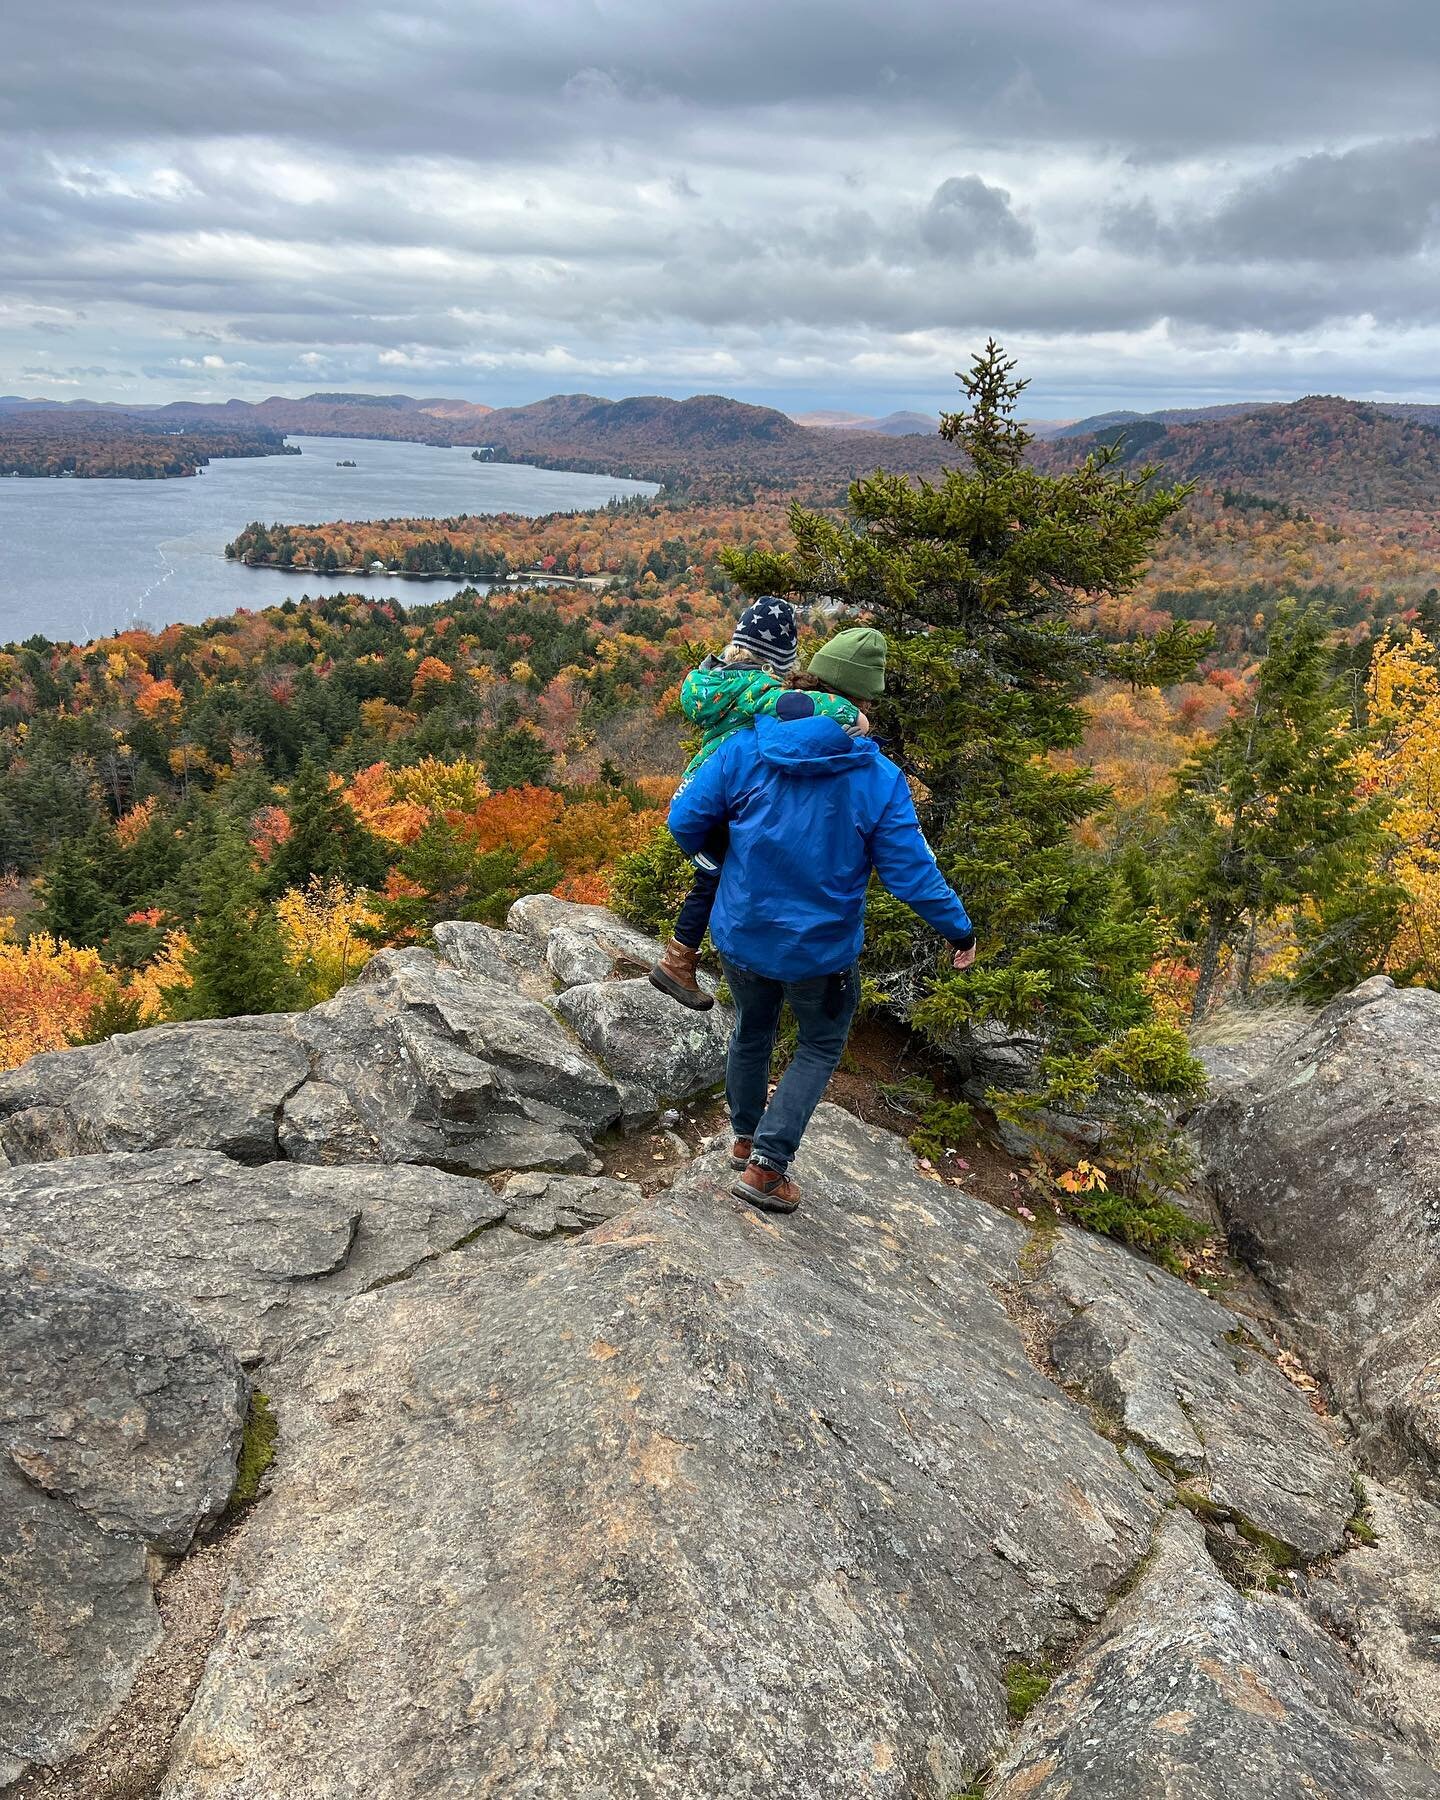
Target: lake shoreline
519, 578
86, 558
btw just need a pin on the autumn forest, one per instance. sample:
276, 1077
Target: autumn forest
1253, 769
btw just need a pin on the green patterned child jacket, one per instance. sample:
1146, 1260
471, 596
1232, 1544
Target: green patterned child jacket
722, 698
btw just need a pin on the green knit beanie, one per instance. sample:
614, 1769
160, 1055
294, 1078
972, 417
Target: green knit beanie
853, 663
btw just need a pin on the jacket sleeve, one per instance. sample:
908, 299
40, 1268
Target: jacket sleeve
906, 864
694, 692
702, 803
835, 706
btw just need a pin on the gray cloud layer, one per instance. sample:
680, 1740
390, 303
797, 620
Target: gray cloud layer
1173, 195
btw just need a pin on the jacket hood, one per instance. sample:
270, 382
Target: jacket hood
813, 747
719, 686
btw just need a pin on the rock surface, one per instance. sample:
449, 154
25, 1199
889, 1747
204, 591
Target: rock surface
1383, 1604
582, 943
418, 1062
259, 1255
1187, 1383
690, 1505
1197, 1692
587, 1495
115, 1401
120, 1421
658, 1051
210, 1086
1326, 1166
508, 957
455, 1060
541, 1205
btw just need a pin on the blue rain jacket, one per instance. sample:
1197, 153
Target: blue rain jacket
811, 813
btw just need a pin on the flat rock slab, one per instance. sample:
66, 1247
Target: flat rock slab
261, 1256
212, 1086
658, 1051
692, 1504
1187, 1383
1326, 1166
507, 957
120, 1420
1195, 1691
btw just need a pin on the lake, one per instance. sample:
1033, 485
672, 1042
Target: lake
80, 559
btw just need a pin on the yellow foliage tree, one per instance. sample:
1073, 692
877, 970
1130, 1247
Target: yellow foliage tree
48, 990
147, 986
1403, 763
321, 926
457, 786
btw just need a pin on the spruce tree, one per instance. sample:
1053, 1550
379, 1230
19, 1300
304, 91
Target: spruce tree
326, 839
514, 755
979, 581
1266, 819
237, 959
444, 877
79, 890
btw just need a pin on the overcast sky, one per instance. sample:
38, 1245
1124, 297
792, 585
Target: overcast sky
1150, 201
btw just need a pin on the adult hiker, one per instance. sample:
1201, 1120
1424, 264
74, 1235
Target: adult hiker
726, 694
811, 813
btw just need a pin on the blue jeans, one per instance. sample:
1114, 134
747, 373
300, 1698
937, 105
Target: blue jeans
700, 901
823, 1010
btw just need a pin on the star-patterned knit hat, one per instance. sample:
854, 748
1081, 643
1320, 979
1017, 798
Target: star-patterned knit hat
767, 630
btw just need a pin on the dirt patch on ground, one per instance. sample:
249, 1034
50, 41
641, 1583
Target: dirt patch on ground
650, 1159
127, 1760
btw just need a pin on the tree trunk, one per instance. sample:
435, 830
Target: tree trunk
1209, 968
1247, 960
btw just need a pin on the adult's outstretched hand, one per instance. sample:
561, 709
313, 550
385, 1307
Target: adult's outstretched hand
964, 958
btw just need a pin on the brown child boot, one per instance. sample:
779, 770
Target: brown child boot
674, 975
768, 1189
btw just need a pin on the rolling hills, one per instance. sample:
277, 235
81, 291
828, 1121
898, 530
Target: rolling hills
1321, 453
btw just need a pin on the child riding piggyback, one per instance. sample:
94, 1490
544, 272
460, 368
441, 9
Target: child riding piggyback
725, 695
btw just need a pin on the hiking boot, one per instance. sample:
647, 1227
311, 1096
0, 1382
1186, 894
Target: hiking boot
740, 1153
769, 1189
674, 975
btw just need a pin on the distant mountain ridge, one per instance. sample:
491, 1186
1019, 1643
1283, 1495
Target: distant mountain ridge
1322, 452
895, 424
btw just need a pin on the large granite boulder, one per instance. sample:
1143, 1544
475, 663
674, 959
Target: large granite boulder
1326, 1166
212, 1085
120, 1422
1195, 1691
1237, 1043
455, 1059
1186, 1382
417, 1062
659, 1052
689, 1504
581, 943
507, 957
261, 1256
